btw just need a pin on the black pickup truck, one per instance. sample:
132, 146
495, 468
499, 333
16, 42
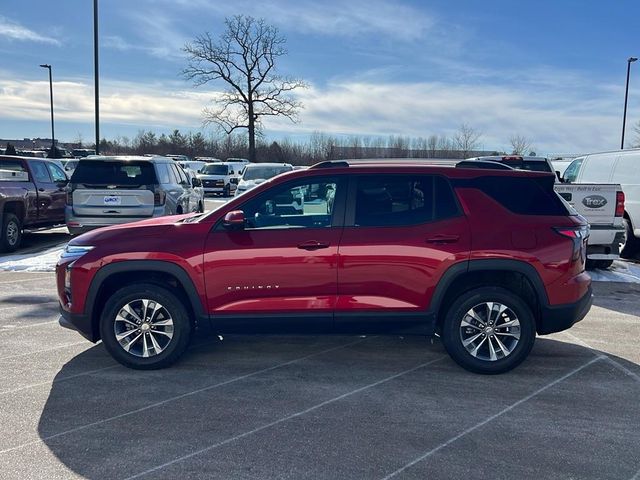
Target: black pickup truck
32, 195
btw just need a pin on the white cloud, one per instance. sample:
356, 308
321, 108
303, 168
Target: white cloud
554, 120
14, 31
332, 17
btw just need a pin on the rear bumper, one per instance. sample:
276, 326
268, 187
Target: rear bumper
78, 224
557, 318
79, 322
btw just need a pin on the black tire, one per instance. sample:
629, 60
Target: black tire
11, 233
227, 191
175, 346
631, 244
200, 207
452, 335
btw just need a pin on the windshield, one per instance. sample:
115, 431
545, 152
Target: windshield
215, 169
260, 172
121, 174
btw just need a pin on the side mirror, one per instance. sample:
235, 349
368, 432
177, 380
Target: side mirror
196, 182
234, 220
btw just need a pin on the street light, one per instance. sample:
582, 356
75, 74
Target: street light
53, 141
630, 60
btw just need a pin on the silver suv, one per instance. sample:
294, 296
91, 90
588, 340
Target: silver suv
112, 190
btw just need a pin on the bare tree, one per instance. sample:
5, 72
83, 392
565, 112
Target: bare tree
520, 144
466, 139
244, 57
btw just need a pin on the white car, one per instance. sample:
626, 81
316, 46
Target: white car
193, 165
256, 173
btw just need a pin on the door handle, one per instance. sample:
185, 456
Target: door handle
440, 239
313, 245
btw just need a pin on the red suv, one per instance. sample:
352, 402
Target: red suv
478, 253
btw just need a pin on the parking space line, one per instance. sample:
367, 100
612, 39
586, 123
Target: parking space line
4, 328
57, 380
493, 417
284, 419
43, 350
27, 279
178, 397
13, 307
615, 363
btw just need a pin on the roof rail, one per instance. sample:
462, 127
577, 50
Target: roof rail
486, 164
330, 164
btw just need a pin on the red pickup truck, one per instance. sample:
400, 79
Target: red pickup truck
32, 195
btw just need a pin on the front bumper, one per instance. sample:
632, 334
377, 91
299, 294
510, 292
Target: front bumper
556, 318
80, 323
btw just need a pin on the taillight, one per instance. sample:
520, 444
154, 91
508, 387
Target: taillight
579, 235
159, 196
619, 204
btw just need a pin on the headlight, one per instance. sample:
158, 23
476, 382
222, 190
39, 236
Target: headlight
75, 251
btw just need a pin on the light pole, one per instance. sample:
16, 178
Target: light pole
95, 73
630, 60
53, 137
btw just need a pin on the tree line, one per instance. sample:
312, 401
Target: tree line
315, 148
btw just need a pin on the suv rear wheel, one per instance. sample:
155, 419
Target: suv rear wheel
489, 330
145, 327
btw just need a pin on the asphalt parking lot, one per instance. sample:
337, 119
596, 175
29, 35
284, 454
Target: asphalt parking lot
316, 407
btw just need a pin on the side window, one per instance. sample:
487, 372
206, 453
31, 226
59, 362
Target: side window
40, 172
308, 204
571, 173
163, 173
403, 200
56, 173
524, 196
180, 176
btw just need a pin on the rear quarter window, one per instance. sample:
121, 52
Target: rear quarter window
524, 196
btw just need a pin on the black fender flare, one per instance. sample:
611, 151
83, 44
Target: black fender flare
491, 264
145, 265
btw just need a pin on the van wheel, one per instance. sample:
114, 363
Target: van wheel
200, 208
11, 233
145, 327
489, 330
227, 191
630, 245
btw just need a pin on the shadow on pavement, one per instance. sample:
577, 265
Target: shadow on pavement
619, 297
111, 432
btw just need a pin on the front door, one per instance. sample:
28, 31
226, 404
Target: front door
279, 272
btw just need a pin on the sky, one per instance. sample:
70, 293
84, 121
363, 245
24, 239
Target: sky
552, 71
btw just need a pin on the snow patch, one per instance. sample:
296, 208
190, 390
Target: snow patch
34, 262
620, 271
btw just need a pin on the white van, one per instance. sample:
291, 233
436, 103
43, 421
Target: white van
620, 166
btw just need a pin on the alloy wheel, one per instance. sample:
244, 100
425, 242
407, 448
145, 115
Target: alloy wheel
143, 328
490, 331
13, 233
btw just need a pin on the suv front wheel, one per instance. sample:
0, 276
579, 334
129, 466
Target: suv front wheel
145, 327
489, 330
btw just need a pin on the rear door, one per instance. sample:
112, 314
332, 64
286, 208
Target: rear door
401, 234
113, 189
59, 194
46, 189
